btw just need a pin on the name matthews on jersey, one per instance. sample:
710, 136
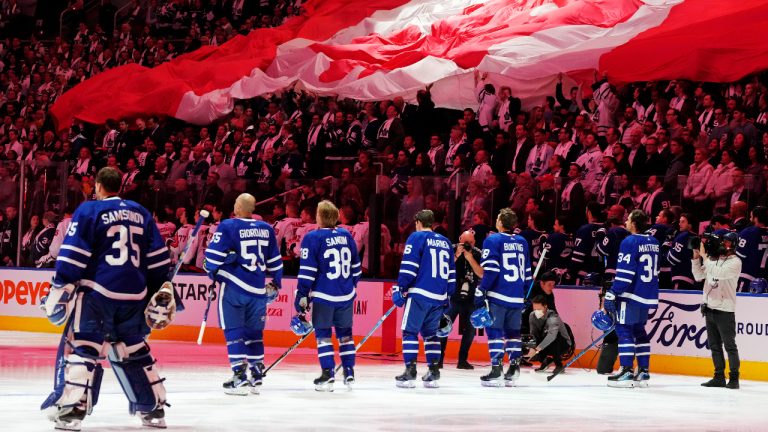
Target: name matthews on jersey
648, 248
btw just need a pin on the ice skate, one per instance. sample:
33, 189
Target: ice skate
407, 378
512, 374
68, 419
238, 385
641, 378
349, 377
431, 378
324, 383
256, 376
155, 419
625, 378
493, 379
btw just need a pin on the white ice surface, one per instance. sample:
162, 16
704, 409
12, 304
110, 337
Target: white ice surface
575, 401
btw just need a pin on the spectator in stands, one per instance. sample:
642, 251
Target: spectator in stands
720, 184
677, 167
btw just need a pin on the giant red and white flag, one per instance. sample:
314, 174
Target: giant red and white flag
378, 49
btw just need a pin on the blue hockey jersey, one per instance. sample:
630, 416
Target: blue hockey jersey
584, 258
113, 246
329, 266
560, 250
637, 274
536, 240
608, 247
664, 234
506, 266
753, 251
679, 258
427, 270
256, 252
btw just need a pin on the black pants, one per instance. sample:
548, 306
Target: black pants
555, 350
463, 310
721, 330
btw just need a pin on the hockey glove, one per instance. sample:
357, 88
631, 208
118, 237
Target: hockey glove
161, 308
609, 302
58, 303
272, 292
398, 296
301, 302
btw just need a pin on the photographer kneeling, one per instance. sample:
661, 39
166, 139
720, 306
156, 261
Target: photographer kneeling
468, 274
720, 270
550, 333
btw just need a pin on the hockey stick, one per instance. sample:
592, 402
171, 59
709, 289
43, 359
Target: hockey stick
536, 272
285, 354
584, 351
209, 294
203, 215
370, 333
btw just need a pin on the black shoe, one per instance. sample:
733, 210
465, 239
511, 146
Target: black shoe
493, 379
431, 378
440, 364
464, 365
558, 369
733, 381
325, 381
407, 378
544, 364
717, 381
525, 362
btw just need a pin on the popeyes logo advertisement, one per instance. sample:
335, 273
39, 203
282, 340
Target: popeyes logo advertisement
22, 291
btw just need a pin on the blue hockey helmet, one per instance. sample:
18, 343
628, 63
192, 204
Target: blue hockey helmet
300, 326
732, 237
446, 325
758, 286
602, 321
481, 318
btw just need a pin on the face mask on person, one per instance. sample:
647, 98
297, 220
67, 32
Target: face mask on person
539, 313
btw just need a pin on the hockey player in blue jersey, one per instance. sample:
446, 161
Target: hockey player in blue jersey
584, 258
328, 274
607, 243
427, 279
664, 231
239, 256
635, 290
112, 260
679, 255
753, 249
506, 266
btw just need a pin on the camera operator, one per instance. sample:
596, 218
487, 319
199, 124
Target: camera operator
468, 274
550, 334
720, 271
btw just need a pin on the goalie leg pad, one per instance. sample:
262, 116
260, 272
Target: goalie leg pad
82, 376
135, 369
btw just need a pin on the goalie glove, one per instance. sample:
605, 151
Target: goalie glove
58, 303
272, 291
161, 308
